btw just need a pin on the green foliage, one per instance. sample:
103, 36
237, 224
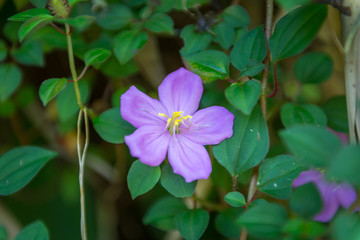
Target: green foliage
235, 199
296, 30
3, 233
175, 184
249, 52
117, 17
36, 230
335, 109
34, 22
210, 65
224, 35
251, 135
314, 67
289, 4
306, 200
303, 229
226, 222
236, 16
346, 227
194, 40
19, 165
292, 114
160, 23
192, 223
10, 79
50, 88
316, 146
96, 56
27, 14
128, 43
277, 174
161, 214
264, 220
112, 127
30, 53
244, 96
142, 178
3, 50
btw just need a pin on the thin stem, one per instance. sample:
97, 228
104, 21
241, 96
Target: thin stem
243, 235
72, 65
276, 83
83, 72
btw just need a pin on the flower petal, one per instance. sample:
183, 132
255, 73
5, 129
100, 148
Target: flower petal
311, 175
149, 144
139, 109
181, 90
346, 195
210, 126
189, 159
330, 203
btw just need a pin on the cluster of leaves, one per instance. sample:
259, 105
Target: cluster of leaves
217, 47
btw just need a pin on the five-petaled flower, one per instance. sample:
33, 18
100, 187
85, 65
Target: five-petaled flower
332, 194
171, 125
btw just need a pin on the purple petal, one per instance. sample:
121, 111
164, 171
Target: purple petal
139, 109
346, 195
189, 159
210, 126
181, 91
330, 203
149, 144
311, 175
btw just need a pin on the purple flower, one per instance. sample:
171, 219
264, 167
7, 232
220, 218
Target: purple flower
333, 195
172, 126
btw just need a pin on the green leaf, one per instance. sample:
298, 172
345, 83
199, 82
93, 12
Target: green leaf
36, 230
128, 43
175, 184
66, 103
50, 88
210, 65
244, 96
37, 21
3, 233
292, 114
346, 226
10, 79
142, 178
3, 50
39, 3
113, 68
235, 199
316, 146
314, 67
161, 213
194, 41
306, 200
253, 68
236, 16
30, 53
19, 165
289, 4
335, 109
252, 140
264, 220
26, 15
192, 223
7, 108
226, 222
112, 127
277, 174
296, 30
302, 229
160, 23
250, 51
116, 17
96, 55
345, 166
224, 35
79, 22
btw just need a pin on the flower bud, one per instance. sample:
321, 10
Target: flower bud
59, 8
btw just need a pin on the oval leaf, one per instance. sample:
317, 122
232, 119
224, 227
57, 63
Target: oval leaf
292, 114
235, 199
192, 223
245, 96
194, 41
306, 200
19, 165
236, 16
33, 22
9, 80
224, 35
252, 140
26, 15
50, 88
226, 222
117, 17
210, 65
142, 178
277, 174
97, 55
336, 112
160, 23
36, 230
30, 53
296, 30
112, 127
128, 43
175, 184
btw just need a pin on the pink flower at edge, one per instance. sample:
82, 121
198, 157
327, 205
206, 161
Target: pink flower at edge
333, 195
171, 125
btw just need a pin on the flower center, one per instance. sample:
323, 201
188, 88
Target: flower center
173, 122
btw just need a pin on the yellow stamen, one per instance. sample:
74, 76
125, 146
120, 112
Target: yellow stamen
173, 123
